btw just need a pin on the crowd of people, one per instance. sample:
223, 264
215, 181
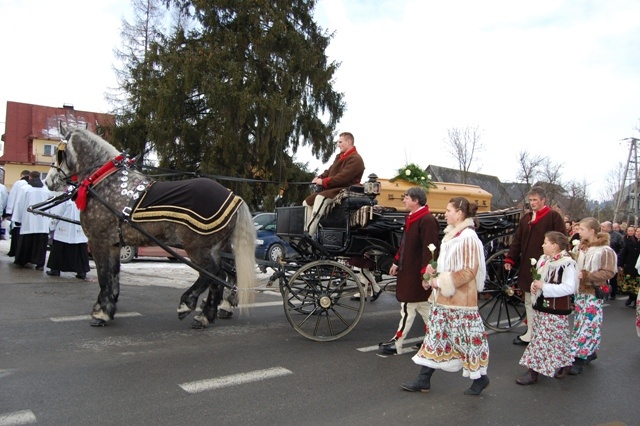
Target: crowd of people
30, 232
574, 268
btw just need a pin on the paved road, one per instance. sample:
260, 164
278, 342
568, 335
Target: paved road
148, 367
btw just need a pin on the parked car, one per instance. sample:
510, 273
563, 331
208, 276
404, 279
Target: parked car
128, 253
268, 245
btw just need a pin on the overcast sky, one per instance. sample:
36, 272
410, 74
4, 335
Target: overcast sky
557, 78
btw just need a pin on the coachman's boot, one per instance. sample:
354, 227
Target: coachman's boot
478, 386
577, 367
530, 378
422, 383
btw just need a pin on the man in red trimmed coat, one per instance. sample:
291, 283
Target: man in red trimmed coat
346, 170
527, 244
420, 231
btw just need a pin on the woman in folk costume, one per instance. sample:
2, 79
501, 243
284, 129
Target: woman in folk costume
596, 265
455, 336
549, 353
69, 250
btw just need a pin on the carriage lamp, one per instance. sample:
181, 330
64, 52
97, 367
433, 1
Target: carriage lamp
372, 186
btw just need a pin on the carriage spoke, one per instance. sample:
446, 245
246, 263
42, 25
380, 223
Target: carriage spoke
503, 310
320, 289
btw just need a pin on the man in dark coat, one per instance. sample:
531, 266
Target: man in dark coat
346, 170
616, 242
527, 244
420, 236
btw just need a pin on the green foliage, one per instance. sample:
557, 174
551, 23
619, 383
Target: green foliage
235, 88
415, 174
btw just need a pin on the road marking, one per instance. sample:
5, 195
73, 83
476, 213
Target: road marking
17, 418
234, 379
88, 317
7, 372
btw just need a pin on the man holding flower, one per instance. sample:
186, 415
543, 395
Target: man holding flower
417, 249
527, 244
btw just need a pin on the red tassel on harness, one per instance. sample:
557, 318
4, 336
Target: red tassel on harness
101, 173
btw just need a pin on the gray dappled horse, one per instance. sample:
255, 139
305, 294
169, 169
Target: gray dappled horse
88, 160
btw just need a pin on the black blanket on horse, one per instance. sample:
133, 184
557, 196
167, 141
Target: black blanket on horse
201, 204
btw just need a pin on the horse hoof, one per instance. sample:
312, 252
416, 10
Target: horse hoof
98, 323
197, 325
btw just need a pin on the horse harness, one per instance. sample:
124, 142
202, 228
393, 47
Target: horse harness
79, 194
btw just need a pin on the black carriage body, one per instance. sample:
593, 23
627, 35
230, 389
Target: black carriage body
359, 233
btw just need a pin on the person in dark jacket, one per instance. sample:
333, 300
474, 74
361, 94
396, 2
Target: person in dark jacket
417, 248
346, 170
527, 244
627, 272
617, 244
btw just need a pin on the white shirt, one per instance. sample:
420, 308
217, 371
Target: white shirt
11, 201
31, 223
4, 197
67, 232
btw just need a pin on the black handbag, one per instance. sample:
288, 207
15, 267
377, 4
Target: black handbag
602, 291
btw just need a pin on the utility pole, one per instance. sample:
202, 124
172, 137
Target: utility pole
630, 179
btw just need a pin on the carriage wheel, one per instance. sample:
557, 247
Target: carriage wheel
317, 300
501, 304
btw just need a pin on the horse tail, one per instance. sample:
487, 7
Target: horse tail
244, 246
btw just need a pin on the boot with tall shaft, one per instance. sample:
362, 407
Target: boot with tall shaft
422, 383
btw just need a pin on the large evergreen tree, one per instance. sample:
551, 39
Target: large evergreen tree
236, 87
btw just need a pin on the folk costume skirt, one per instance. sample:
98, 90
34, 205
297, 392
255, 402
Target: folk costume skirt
549, 348
67, 257
455, 339
587, 324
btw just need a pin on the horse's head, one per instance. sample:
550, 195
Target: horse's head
79, 153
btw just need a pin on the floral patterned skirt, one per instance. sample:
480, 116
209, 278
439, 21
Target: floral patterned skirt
455, 339
587, 324
638, 314
549, 347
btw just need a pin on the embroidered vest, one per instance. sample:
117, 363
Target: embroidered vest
554, 305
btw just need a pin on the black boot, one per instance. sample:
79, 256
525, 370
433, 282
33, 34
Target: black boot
530, 378
478, 386
577, 367
590, 358
422, 383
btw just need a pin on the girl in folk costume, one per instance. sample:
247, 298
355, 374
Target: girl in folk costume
596, 264
557, 279
455, 336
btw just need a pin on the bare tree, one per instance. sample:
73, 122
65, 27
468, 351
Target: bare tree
612, 183
529, 169
463, 144
576, 200
552, 177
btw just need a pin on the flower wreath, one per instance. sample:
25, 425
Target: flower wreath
415, 174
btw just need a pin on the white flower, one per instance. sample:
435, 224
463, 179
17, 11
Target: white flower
422, 178
533, 261
575, 243
431, 248
407, 172
429, 177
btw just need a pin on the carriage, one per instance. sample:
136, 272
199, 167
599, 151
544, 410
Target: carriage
324, 296
324, 287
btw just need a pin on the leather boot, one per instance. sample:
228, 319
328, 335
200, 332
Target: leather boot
590, 358
422, 383
530, 377
562, 372
478, 386
577, 366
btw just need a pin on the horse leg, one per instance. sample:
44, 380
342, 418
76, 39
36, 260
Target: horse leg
189, 299
108, 269
210, 308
